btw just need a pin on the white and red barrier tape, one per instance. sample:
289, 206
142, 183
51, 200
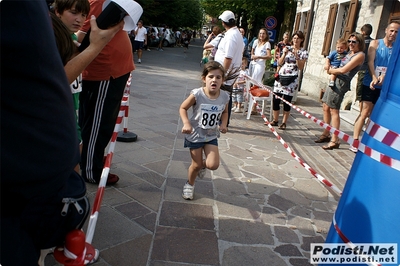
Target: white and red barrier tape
392, 138
320, 178
384, 135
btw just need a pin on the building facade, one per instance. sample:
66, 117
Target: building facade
325, 21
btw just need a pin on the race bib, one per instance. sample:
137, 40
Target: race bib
210, 115
76, 85
380, 70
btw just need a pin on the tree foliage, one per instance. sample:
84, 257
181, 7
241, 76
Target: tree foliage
174, 13
252, 12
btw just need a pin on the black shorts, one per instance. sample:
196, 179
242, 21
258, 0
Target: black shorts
369, 95
138, 45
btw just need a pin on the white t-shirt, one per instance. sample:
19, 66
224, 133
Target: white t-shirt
141, 35
231, 46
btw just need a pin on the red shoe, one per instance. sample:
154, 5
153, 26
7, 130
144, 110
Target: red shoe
112, 179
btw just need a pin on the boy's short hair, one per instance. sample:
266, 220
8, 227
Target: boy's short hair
81, 6
367, 29
342, 41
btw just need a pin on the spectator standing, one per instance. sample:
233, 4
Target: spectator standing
379, 53
260, 53
103, 85
186, 40
230, 52
178, 37
140, 39
335, 58
239, 87
161, 35
215, 33
366, 31
209, 118
285, 42
333, 96
291, 62
246, 43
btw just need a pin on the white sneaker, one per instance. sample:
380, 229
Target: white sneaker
188, 191
353, 149
202, 173
238, 110
331, 83
233, 108
139, 61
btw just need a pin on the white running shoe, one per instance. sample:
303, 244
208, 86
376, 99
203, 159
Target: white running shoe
139, 61
353, 149
188, 191
233, 109
331, 83
202, 173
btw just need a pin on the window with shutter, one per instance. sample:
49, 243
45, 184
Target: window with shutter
330, 26
351, 19
297, 24
309, 19
395, 12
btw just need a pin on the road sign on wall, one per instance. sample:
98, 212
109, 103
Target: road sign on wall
270, 22
272, 35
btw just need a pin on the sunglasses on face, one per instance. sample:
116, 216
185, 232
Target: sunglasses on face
352, 41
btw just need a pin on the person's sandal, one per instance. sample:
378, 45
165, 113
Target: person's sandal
273, 123
322, 139
283, 126
331, 147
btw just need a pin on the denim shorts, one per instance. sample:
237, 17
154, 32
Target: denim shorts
196, 145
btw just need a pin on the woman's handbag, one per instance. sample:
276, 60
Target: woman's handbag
286, 80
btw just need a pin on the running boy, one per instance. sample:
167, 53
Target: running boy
335, 57
209, 117
238, 88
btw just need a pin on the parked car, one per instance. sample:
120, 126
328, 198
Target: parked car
169, 39
153, 39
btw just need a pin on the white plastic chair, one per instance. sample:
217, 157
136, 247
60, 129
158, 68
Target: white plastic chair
252, 99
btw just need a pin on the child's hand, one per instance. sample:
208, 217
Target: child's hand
223, 129
187, 128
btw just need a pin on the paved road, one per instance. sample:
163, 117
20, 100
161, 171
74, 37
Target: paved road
261, 207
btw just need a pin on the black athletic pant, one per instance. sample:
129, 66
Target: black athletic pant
99, 105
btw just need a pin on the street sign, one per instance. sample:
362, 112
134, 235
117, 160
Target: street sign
272, 35
270, 22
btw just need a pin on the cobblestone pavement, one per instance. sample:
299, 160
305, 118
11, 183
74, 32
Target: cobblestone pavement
261, 207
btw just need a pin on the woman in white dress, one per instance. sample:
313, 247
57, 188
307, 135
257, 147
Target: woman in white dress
260, 53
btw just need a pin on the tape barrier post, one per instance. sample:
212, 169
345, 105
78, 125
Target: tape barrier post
103, 181
368, 211
124, 135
